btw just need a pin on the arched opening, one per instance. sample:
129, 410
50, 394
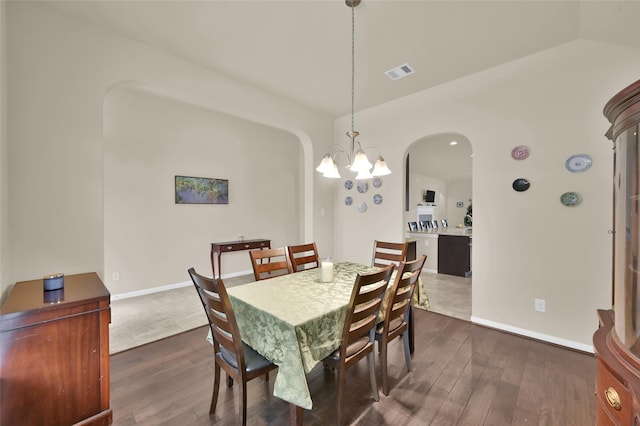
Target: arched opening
438, 217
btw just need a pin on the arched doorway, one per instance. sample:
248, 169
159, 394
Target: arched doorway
438, 182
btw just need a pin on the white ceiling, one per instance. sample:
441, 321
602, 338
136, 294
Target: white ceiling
301, 50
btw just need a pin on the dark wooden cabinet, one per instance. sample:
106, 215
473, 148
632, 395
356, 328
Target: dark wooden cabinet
617, 341
54, 361
454, 255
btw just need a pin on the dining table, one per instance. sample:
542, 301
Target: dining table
296, 320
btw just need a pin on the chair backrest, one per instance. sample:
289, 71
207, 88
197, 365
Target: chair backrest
222, 320
366, 297
386, 253
269, 263
402, 290
304, 256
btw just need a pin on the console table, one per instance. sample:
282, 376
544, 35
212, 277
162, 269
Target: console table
54, 353
224, 247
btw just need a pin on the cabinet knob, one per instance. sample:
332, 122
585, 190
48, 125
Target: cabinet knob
613, 398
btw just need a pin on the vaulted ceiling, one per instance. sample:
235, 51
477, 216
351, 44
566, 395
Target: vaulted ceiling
300, 50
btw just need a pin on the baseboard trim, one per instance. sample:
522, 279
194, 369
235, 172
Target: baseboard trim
533, 335
169, 287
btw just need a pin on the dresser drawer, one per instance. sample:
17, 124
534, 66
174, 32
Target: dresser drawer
614, 399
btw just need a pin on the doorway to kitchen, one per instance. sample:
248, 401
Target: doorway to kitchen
438, 179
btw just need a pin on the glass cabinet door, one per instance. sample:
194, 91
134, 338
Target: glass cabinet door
627, 239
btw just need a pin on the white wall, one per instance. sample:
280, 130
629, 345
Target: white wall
148, 140
60, 71
526, 245
458, 191
418, 184
4, 170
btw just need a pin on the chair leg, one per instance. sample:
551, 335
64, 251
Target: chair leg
216, 387
407, 351
372, 376
243, 403
385, 377
341, 379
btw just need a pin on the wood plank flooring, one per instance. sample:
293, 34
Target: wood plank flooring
463, 375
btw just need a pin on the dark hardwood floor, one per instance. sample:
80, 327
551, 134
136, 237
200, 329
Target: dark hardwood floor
463, 375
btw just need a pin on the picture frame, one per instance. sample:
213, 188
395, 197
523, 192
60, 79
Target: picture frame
201, 190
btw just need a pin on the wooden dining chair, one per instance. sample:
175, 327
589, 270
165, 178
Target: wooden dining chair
304, 256
358, 334
396, 315
385, 253
240, 362
269, 263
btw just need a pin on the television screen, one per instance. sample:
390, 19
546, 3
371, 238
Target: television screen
430, 196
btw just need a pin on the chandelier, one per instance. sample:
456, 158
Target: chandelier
357, 160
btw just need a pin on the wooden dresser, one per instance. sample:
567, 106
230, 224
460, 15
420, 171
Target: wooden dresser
617, 341
54, 360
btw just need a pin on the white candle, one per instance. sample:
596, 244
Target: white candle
326, 271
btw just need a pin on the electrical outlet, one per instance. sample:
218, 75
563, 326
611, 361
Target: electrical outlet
115, 276
540, 305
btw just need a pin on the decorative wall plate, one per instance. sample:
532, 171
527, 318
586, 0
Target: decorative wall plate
377, 182
570, 199
348, 201
348, 184
362, 187
520, 184
362, 207
578, 163
520, 152
377, 199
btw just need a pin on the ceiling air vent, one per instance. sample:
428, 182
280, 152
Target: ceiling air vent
399, 72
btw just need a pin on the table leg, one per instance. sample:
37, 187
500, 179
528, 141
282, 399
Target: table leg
295, 415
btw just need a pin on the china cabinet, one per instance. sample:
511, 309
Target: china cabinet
617, 341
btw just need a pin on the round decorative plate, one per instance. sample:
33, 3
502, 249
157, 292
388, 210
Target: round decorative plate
570, 199
348, 184
520, 152
362, 187
377, 182
377, 199
520, 185
578, 163
362, 207
348, 201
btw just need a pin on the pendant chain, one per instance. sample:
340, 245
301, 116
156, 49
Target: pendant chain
353, 66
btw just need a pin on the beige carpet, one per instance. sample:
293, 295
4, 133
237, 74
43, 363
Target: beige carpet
144, 319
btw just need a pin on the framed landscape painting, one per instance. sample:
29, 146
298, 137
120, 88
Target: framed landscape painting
198, 190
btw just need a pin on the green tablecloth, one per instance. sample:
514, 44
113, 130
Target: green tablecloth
295, 321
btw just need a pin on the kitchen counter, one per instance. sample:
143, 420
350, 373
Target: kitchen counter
440, 256
441, 231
